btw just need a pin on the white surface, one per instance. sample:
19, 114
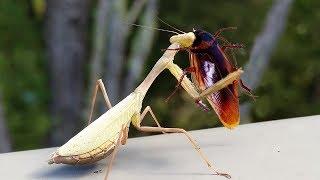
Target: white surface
275, 150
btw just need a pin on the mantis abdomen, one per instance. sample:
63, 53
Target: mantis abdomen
97, 140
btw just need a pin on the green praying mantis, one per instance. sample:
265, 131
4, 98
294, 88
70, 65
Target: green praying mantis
103, 137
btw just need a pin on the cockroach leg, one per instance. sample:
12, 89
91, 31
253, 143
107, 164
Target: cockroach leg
148, 109
185, 72
173, 92
247, 90
202, 105
232, 52
219, 31
176, 49
178, 130
180, 49
121, 134
232, 46
99, 85
224, 40
244, 86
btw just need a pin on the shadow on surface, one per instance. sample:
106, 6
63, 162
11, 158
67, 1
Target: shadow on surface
181, 174
65, 171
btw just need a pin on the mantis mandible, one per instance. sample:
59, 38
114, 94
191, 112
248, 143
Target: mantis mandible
104, 136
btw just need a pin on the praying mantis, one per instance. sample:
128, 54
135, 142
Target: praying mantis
103, 137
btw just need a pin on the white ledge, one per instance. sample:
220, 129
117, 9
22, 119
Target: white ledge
276, 150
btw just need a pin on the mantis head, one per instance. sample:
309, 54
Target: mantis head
184, 40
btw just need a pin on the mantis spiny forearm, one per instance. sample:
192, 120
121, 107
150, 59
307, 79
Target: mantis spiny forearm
191, 89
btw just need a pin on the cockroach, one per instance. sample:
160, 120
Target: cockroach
104, 136
209, 63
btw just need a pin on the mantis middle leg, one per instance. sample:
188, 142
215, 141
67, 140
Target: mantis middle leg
100, 85
137, 119
148, 109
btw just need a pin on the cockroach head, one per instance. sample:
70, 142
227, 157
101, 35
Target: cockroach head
202, 36
185, 40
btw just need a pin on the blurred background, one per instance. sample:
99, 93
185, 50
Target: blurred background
52, 52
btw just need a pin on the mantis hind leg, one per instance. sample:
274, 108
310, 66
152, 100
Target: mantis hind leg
99, 85
137, 123
123, 135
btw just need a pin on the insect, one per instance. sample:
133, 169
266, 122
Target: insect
209, 64
104, 136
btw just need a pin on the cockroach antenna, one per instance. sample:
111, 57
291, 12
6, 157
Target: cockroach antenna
170, 25
152, 28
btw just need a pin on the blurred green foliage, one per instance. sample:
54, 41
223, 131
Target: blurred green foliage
289, 88
291, 85
24, 81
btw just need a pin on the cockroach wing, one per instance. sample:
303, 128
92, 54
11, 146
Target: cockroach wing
224, 102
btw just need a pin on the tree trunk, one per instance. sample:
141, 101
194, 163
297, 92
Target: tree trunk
5, 143
116, 44
115, 51
66, 29
141, 47
100, 38
263, 47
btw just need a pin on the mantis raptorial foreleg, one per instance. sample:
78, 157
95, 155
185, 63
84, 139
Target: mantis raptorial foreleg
192, 90
137, 119
123, 135
99, 85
